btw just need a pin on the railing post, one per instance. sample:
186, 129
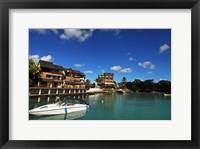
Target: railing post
39, 99
40, 91
57, 97
57, 91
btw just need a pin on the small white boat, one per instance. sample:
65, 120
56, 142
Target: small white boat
67, 116
166, 95
94, 90
59, 108
120, 91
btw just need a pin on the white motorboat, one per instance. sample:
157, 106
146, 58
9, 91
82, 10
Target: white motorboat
67, 116
120, 91
61, 107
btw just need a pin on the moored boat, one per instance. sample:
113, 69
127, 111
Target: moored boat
165, 94
120, 91
61, 107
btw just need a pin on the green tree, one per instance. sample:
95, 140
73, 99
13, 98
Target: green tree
34, 72
164, 86
124, 81
130, 86
149, 86
141, 86
99, 80
92, 85
136, 84
87, 84
122, 84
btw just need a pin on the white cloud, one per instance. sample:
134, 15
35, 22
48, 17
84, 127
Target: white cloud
41, 31
150, 72
147, 64
88, 72
47, 58
115, 68
115, 31
122, 70
103, 71
45, 31
99, 66
131, 59
126, 70
128, 53
80, 35
79, 65
36, 58
163, 79
62, 36
164, 48
55, 31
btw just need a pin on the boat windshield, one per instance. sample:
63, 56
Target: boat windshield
43, 107
73, 101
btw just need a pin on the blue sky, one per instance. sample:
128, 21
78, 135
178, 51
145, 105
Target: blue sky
130, 53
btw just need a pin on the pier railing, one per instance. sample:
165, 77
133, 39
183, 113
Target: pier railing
45, 91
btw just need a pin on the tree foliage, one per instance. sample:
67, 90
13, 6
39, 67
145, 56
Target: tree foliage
124, 81
87, 84
34, 72
164, 86
149, 86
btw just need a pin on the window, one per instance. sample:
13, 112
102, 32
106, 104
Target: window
48, 76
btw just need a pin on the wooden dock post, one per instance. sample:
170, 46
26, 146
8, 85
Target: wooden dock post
57, 97
39, 94
49, 92
39, 99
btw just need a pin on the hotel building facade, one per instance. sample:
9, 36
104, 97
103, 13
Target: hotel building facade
55, 76
106, 80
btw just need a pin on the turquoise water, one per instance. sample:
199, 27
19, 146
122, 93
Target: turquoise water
130, 106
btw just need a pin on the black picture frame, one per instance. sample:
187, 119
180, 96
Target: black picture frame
5, 5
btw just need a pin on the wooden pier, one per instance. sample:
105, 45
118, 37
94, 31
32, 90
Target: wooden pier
56, 93
39, 92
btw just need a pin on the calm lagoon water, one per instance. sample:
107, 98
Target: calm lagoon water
130, 106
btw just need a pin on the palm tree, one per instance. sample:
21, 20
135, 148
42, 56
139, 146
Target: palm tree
87, 84
34, 72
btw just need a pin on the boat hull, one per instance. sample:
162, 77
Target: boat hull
58, 110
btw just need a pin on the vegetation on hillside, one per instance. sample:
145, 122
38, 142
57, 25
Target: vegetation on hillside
149, 86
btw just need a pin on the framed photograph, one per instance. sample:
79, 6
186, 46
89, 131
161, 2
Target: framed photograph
103, 74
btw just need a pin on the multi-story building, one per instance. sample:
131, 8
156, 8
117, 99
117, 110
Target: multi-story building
74, 78
106, 80
52, 75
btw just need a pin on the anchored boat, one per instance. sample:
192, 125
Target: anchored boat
61, 107
166, 95
120, 91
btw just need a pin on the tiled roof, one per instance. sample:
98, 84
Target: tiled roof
49, 65
108, 74
74, 71
77, 71
53, 66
